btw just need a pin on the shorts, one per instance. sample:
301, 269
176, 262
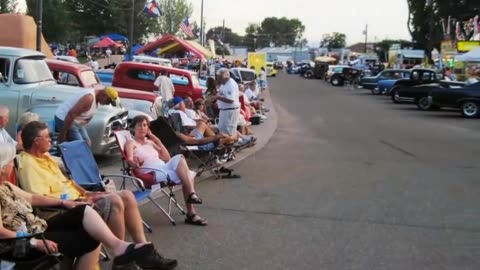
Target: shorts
228, 121
66, 229
103, 207
204, 147
75, 133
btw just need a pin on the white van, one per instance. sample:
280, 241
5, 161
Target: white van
152, 60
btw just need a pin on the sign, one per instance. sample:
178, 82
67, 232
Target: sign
257, 60
466, 46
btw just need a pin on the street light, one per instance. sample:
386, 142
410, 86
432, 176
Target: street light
254, 44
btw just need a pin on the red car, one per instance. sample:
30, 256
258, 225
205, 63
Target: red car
83, 76
140, 76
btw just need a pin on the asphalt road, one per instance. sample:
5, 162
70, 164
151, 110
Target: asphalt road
348, 181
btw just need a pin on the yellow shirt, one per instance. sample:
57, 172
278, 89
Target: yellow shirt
43, 176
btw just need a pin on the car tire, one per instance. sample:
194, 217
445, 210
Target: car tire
376, 91
335, 82
424, 104
308, 75
470, 109
395, 96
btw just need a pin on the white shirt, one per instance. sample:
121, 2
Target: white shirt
263, 75
6, 138
250, 94
192, 114
186, 121
165, 87
94, 65
68, 104
230, 91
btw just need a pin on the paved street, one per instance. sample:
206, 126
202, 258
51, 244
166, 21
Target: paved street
348, 181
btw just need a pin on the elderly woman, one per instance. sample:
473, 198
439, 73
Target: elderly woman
146, 153
76, 232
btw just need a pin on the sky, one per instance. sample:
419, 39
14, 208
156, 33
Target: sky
385, 18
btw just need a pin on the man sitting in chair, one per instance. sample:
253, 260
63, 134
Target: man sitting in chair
40, 174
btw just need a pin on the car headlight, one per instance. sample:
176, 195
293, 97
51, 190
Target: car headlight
107, 132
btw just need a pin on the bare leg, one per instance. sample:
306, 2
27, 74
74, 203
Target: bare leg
133, 219
187, 183
88, 261
98, 230
116, 221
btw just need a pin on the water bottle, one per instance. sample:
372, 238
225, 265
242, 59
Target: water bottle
21, 245
64, 194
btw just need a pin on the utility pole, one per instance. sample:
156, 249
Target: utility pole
365, 32
201, 26
130, 30
223, 38
39, 24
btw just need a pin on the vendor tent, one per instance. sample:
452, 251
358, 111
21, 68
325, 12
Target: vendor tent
115, 37
106, 42
471, 56
172, 44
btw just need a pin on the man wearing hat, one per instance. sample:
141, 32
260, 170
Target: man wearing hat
75, 113
228, 104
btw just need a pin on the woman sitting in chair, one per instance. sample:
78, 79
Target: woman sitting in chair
147, 153
77, 232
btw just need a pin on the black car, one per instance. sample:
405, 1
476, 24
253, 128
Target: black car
371, 82
347, 74
317, 72
466, 98
418, 76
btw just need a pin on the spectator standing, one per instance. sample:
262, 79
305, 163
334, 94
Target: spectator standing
165, 89
72, 52
228, 104
263, 78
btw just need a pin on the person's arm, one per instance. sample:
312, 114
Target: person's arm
83, 105
163, 153
192, 140
131, 160
37, 200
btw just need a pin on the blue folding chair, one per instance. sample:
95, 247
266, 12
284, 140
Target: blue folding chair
83, 169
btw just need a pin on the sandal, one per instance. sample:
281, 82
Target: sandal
126, 261
195, 220
194, 199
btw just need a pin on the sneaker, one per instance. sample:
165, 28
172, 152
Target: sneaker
152, 260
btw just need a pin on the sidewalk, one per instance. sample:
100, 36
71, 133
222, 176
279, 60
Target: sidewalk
263, 132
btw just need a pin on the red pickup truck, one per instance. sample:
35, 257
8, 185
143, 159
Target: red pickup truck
83, 76
140, 76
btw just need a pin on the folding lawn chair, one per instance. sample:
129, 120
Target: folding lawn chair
83, 169
148, 179
207, 159
8, 247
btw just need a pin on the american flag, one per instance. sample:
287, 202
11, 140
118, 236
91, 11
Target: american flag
152, 9
186, 27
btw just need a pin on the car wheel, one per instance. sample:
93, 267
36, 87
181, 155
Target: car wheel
376, 91
395, 96
424, 104
335, 81
308, 75
470, 109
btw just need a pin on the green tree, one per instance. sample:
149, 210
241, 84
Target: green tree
279, 32
228, 35
8, 6
174, 11
55, 22
251, 33
333, 40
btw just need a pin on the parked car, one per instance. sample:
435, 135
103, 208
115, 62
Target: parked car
243, 75
271, 70
152, 60
415, 89
466, 98
26, 84
140, 76
371, 82
136, 102
317, 72
347, 74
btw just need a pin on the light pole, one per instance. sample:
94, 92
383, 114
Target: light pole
201, 26
39, 24
130, 30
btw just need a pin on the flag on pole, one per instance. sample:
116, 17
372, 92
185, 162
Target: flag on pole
186, 27
152, 9
196, 30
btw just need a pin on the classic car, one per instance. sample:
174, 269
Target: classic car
26, 84
371, 82
317, 72
467, 98
271, 70
415, 89
243, 75
140, 76
135, 101
347, 74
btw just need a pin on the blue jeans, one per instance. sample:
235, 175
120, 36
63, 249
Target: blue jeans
204, 147
75, 132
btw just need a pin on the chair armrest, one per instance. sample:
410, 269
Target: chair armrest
136, 181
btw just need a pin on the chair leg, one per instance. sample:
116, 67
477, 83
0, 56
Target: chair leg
163, 210
104, 254
149, 229
172, 198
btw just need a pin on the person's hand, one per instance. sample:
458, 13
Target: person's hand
72, 204
41, 247
91, 197
138, 161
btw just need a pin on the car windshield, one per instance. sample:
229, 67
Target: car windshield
247, 76
89, 78
31, 70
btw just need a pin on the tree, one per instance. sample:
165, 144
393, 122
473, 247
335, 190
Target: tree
278, 31
333, 40
382, 47
174, 12
8, 6
251, 33
227, 35
55, 21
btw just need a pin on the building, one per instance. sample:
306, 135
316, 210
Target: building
360, 47
283, 54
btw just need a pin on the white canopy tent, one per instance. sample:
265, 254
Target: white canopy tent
471, 56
